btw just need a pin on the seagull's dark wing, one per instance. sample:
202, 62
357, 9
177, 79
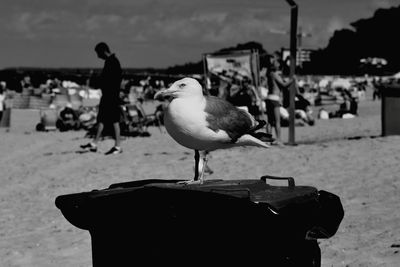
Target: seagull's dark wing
222, 115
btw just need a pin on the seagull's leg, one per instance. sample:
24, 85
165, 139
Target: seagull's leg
204, 156
196, 170
196, 165
205, 159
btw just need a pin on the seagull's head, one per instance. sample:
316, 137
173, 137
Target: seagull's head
186, 87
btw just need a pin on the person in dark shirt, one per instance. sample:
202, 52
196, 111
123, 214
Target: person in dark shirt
109, 107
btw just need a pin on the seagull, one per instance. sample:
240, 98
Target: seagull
206, 123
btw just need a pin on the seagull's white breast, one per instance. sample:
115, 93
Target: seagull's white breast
185, 120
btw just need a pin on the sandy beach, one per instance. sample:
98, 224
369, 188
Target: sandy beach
347, 157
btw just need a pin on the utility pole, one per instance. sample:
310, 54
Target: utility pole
293, 52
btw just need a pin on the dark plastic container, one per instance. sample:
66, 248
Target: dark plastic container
161, 221
390, 109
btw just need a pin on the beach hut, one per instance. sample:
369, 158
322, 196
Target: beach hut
37, 102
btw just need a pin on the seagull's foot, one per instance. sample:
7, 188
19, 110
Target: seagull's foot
265, 137
208, 170
277, 143
191, 182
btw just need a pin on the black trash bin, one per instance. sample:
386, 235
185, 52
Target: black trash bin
390, 109
161, 221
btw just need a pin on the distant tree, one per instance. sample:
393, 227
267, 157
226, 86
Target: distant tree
188, 68
372, 37
253, 46
246, 46
198, 68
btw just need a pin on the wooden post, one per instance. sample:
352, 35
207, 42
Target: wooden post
205, 71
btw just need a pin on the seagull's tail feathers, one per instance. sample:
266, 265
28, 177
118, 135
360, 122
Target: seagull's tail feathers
258, 125
249, 140
255, 123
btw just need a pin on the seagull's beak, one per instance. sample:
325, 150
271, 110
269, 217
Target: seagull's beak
159, 94
164, 93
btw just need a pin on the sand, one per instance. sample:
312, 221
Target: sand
347, 157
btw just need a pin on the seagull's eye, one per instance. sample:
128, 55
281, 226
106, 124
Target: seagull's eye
182, 85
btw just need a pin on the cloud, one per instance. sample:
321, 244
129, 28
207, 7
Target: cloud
43, 24
208, 26
102, 22
384, 3
29, 24
21, 23
335, 24
145, 21
176, 24
209, 17
245, 27
316, 32
49, 24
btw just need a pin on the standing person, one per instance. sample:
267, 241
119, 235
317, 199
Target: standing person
377, 89
109, 107
273, 103
2, 98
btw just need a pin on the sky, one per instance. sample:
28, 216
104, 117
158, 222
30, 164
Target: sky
162, 33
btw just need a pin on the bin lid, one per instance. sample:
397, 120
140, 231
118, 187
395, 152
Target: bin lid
78, 208
390, 90
256, 190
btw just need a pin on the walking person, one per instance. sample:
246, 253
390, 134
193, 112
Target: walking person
109, 112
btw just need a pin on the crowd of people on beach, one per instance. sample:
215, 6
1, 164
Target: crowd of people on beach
268, 100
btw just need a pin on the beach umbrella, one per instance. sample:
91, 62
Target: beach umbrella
341, 83
323, 83
397, 75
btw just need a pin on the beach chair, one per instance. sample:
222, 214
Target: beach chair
90, 102
61, 100
76, 101
136, 121
48, 120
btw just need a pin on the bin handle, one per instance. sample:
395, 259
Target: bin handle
289, 179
